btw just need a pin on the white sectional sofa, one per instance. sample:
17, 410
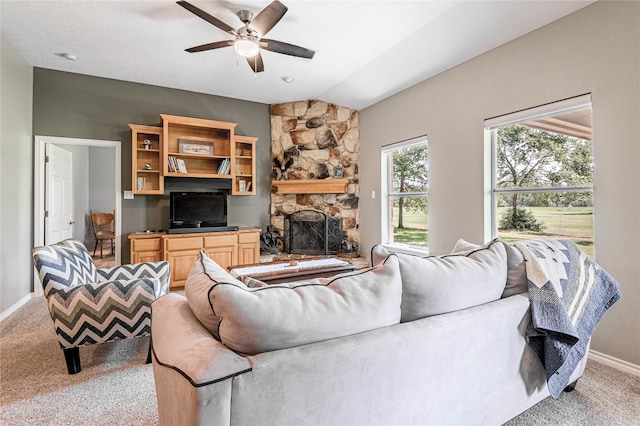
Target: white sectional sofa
358, 349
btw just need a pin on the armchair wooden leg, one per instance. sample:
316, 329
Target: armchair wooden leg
149, 353
72, 356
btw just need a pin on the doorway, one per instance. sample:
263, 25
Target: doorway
41, 149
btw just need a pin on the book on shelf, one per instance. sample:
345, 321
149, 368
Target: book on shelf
224, 166
249, 186
176, 165
140, 183
182, 167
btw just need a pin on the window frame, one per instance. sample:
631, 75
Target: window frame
491, 130
387, 193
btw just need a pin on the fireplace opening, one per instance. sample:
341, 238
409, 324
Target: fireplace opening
313, 232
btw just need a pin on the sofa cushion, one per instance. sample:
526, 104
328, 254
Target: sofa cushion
516, 272
255, 320
204, 274
433, 285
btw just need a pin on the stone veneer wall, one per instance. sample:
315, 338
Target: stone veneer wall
315, 137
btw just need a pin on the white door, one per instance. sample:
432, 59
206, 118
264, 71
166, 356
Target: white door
58, 194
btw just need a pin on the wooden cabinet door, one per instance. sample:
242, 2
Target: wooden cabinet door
222, 249
180, 263
148, 256
224, 256
247, 254
248, 248
146, 250
181, 253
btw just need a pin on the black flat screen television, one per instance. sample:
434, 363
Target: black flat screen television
197, 210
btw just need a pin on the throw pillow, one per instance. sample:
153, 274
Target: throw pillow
516, 272
253, 282
204, 274
435, 285
255, 320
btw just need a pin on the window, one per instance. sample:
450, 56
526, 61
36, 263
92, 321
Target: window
542, 173
405, 178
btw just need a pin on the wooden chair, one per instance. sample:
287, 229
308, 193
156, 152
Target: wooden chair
103, 229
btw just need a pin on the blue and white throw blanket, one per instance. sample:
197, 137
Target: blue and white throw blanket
569, 294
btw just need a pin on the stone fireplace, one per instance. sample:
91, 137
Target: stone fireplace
314, 152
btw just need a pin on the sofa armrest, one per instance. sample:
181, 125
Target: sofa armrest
181, 342
193, 372
154, 270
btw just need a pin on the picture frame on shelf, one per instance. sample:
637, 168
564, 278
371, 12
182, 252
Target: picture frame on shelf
338, 172
186, 146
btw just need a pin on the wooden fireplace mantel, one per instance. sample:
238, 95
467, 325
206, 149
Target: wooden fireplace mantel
311, 186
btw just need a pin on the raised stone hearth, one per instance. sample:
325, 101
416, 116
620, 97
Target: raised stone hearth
310, 140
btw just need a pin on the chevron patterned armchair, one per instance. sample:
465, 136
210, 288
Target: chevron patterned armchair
90, 305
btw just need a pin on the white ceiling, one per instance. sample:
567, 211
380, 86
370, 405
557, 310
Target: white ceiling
365, 50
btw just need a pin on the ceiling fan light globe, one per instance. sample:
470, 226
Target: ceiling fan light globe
246, 47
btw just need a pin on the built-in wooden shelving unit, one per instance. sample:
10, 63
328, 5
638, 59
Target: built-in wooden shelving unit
146, 162
191, 148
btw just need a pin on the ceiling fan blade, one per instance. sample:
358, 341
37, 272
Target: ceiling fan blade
210, 46
286, 48
256, 63
268, 17
207, 17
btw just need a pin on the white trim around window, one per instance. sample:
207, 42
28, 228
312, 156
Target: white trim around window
387, 193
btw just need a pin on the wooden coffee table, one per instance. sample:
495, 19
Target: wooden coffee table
287, 271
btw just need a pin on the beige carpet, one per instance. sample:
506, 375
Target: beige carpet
115, 386
105, 262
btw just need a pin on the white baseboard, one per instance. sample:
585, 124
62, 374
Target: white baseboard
16, 306
616, 363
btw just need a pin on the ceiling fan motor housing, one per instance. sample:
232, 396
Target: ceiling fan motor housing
245, 16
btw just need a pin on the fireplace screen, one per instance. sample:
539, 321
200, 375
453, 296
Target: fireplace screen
312, 232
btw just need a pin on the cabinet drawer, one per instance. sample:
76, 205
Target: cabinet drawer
150, 244
249, 237
220, 240
177, 244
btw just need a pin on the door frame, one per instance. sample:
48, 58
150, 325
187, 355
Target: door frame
40, 143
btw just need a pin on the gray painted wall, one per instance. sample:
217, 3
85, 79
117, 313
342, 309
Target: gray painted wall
597, 50
16, 152
80, 106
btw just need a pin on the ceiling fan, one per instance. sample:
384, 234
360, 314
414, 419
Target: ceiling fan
248, 40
